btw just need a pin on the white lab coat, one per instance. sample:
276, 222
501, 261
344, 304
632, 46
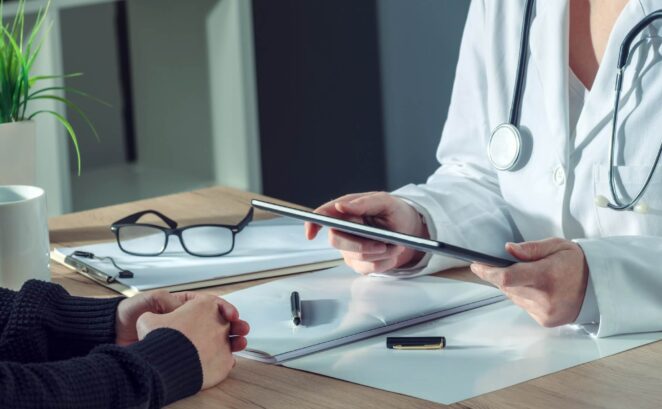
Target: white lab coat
469, 203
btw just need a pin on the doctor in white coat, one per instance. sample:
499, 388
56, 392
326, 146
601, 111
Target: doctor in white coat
580, 262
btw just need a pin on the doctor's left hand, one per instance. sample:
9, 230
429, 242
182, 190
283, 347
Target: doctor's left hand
550, 283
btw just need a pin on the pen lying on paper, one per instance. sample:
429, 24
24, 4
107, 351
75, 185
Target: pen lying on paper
414, 343
295, 305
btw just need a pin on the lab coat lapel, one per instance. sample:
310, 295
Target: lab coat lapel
599, 106
549, 55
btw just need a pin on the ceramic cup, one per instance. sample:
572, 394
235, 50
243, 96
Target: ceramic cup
23, 236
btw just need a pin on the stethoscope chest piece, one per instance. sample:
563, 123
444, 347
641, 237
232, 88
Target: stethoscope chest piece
505, 147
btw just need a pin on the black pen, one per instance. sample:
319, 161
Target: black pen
295, 304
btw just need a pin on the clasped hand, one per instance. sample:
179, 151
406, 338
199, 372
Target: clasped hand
209, 322
549, 283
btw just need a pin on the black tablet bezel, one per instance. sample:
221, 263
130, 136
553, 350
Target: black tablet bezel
376, 233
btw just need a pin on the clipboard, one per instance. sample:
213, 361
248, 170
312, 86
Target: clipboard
109, 280
264, 249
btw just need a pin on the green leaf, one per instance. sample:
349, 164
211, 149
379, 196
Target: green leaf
73, 91
75, 108
35, 79
20, 10
23, 77
69, 128
32, 56
41, 17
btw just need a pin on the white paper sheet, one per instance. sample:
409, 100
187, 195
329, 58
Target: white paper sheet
340, 305
488, 349
262, 245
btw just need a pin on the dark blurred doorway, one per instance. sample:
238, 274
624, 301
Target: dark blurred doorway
319, 98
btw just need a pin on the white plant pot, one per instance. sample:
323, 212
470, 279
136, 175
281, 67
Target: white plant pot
18, 150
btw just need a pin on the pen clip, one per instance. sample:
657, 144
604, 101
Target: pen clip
418, 347
89, 270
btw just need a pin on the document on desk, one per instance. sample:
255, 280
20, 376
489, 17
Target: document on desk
265, 248
339, 307
487, 349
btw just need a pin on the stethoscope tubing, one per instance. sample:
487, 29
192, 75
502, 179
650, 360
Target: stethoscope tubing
623, 58
515, 108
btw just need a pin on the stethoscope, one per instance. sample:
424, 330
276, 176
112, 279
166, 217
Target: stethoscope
506, 145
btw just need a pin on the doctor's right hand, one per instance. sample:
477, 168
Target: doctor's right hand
379, 209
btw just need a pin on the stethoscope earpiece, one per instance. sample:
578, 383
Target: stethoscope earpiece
640, 207
601, 201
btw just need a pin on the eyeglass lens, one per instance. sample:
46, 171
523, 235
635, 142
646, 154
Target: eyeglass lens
139, 239
207, 240
200, 240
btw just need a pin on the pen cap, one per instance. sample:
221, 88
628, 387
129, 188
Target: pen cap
416, 342
295, 306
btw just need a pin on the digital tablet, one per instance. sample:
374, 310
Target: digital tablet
376, 233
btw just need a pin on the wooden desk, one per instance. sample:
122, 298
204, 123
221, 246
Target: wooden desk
631, 379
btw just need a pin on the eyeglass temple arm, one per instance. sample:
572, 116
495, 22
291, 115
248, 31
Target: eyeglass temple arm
247, 219
136, 216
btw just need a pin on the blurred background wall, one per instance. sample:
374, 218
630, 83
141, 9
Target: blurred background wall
352, 95
419, 45
301, 100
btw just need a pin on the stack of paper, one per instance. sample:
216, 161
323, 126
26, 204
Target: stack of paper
340, 307
347, 318
488, 348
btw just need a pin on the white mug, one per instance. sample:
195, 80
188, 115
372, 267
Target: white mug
23, 236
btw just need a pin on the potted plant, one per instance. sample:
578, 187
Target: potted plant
18, 89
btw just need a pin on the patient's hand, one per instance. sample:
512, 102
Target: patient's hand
130, 309
163, 302
201, 320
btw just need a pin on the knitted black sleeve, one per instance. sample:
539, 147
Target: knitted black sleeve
154, 372
42, 322
42, 325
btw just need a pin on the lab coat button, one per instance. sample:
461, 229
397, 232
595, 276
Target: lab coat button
559, 176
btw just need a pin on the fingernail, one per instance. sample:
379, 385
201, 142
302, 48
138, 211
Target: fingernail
520, 249
380, 248
477, 268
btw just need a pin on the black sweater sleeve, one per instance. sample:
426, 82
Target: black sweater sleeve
45, 323
160, 369
52, 354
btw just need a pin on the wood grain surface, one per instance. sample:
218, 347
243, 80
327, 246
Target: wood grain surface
630, 379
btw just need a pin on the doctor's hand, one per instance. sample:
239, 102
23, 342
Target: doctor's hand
378, 209
549, 285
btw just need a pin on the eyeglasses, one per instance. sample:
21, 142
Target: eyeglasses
201, 240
